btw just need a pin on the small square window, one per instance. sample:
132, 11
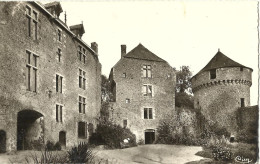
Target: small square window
241, 68
124, 75
127, 101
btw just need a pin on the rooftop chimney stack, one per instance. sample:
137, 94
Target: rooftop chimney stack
94, 46
123, 50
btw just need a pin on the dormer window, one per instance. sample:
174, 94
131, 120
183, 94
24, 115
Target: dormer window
54, 8
213, 74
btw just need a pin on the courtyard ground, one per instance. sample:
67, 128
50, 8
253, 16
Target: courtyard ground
152, 154
147, 154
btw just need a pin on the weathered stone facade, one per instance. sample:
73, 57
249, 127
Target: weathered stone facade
33, 87
220, 88
129, 77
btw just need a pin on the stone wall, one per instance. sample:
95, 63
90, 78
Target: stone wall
220, 98
15, 97
130, 87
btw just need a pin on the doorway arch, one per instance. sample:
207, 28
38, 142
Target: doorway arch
2, 141
29, 129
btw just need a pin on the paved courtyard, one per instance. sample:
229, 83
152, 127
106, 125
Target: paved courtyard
152, 154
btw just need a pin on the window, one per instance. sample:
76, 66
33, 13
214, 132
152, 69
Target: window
28, 16
82, 54
147, 71
82, 104
59, 35
147, 90
59, 83
127, 101
241, 68
124, 75
59, 54
58, 113
32, 22
242, 102
124, 123
35, 21
81, 129
148, 113
213, 74
31, 75
82, 79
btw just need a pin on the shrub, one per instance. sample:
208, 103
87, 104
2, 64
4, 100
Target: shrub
222, 154
50, 146
80, 154
57, 146
111, 135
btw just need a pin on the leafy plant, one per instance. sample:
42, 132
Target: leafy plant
80, 154
46, 157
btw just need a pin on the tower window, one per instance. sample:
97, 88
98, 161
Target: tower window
242, 102
213, 74
124, 123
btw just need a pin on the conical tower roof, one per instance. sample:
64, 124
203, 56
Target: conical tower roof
221, 61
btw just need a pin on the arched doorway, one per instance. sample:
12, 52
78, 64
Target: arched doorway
149, 136
2, 141
29, 130
62, 139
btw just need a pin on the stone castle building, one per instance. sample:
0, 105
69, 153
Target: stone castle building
144, 92
220, 89
49, 78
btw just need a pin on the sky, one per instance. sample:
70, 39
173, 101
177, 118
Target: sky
180, 32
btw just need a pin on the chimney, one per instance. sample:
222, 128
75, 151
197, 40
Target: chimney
123, 50
94, 46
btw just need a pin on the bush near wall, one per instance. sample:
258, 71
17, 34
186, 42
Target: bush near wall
111, 135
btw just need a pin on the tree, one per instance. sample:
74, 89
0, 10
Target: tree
106, 96
106, 92
183, 80
183, 96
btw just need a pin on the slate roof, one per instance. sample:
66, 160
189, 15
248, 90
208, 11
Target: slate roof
140, 52
221, 61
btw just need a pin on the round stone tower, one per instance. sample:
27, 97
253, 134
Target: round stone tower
220, 88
